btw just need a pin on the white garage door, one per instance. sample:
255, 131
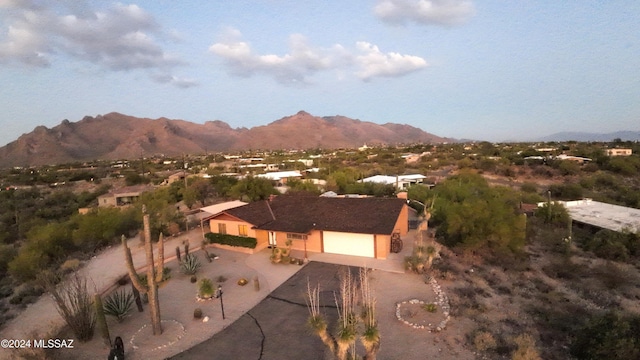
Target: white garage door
348, 244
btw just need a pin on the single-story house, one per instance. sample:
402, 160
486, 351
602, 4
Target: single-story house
123, 196
280, 177
619, 152
348, 226
399, 181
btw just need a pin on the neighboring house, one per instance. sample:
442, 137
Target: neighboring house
207, 212
280, 177
399, 181
122, 197
361, 226
599, 215
578, 159
619, 152
178, 176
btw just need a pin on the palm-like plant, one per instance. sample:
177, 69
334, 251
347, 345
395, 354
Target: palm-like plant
118, 304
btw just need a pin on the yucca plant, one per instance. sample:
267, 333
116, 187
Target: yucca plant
205, 288
118, 304
190, 264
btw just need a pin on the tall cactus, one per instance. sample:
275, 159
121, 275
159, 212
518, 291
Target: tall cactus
151, 288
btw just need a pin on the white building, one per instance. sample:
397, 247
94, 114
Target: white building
399, 181
603, 215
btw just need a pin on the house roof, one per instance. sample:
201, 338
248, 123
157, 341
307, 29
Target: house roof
218, 208
277, 175
387, 179
128, 191
603, 215
301, 214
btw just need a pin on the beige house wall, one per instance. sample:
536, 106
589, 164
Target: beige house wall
383, 246
402, 224
313, 242
232, 225
619, 152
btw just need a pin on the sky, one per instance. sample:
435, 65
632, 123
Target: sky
475, 69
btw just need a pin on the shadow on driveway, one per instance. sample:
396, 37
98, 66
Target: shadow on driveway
277, 327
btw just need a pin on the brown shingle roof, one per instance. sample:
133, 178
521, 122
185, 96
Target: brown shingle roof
300, 214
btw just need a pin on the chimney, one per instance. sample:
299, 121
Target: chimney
402, 195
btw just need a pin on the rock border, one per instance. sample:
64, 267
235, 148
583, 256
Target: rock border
171, 341
442, 301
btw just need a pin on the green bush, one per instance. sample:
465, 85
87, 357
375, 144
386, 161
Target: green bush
608, 336
231, 240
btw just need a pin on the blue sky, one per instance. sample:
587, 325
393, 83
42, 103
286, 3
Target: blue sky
487, 70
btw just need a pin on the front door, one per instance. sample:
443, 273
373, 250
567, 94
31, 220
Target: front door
272, 239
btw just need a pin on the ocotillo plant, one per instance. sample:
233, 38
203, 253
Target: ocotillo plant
151, 288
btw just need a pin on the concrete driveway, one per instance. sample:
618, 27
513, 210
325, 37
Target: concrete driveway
276, 328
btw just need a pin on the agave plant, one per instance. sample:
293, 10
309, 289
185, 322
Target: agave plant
118, 304
190, 264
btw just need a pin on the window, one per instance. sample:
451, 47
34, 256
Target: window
222, 228
296, 236
242, 230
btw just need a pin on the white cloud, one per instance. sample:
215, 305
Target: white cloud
295, 67
121, 37
425, 12
304, 60
374, 63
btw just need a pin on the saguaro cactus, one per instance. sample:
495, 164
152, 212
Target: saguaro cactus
151, 288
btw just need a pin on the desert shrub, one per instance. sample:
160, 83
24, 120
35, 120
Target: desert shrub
190, 264
74, 304
118, 304
7, 253
484, 341
553, 213
609, 336
70, 265
563, 268
608, 244
526, 348
612, 276
569, 191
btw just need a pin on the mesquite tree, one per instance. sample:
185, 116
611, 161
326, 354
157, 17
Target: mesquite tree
154, 273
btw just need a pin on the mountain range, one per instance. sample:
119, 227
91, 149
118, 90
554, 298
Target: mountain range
117, 136
585, 136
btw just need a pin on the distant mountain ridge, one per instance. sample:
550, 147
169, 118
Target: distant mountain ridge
585, 136
117, 136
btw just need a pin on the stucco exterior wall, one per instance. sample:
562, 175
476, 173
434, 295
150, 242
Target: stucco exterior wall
383, 246
232, 225
402, 224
